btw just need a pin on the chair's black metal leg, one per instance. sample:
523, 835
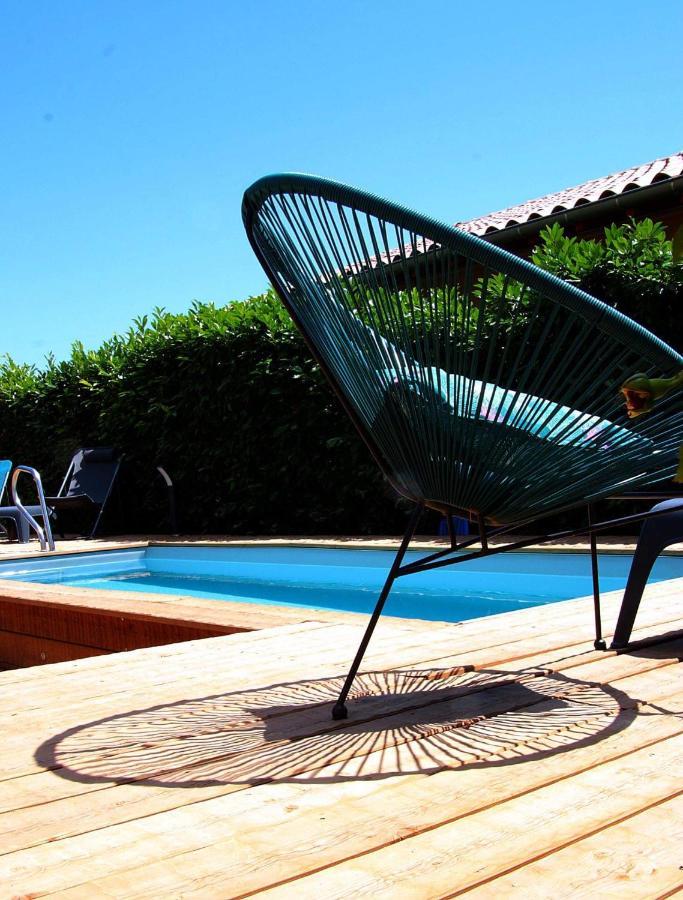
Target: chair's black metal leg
339, 710
599, 643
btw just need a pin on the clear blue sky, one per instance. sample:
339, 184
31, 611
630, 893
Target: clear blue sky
129, 130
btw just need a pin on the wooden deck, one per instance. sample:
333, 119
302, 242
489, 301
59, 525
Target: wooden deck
498, 758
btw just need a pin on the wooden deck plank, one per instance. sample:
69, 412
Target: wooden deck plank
47, 788
16, 649
18, 724
144, 659
657, 600
573, 615
465, 639
467, 644
367, 823
245, 785
475, 849
610, 863
297, 817
428, 863
28, 790
282, 661
19, 735
287, 664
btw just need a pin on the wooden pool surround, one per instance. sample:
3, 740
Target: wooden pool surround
495, 758
55, 623
45, 623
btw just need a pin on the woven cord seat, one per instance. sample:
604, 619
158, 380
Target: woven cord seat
482, 385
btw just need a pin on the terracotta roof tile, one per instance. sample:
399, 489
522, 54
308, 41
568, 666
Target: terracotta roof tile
619, 183
569, 198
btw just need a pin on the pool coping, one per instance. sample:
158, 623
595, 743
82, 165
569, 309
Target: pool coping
51, 623
167, 608
244, 616
207, 615
606, 544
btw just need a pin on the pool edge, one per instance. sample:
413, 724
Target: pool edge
42, 623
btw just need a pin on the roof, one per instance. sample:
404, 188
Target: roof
611, 185
636, 178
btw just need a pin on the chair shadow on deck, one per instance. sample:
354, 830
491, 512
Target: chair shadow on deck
401, 722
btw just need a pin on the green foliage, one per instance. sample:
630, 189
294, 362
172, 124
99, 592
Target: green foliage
634, 269
677, 245
228, 399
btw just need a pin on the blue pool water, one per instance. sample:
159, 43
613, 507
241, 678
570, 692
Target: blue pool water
347, 580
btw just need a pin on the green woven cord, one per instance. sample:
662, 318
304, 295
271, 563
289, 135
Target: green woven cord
479, 382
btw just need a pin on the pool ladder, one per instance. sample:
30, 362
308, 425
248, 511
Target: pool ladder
44, 533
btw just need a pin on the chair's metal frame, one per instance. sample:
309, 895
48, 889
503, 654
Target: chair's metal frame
446, 557
440, 559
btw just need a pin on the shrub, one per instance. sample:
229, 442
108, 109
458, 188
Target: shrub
633, 270
230, 402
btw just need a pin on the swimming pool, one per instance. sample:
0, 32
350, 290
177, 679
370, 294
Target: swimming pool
337, 579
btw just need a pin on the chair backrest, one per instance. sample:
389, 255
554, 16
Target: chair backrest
5, 469
92, 471
478, 381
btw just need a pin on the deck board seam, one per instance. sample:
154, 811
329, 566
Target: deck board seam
672, 893
562, 846
476, 811
428, 829
232, 788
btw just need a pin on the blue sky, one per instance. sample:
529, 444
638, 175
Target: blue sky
129, 130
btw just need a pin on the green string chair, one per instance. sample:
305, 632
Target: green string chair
482, 385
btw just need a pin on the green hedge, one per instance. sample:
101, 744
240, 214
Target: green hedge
632, 269
228, 400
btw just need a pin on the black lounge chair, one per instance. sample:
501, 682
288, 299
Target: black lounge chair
86, 488
482, 385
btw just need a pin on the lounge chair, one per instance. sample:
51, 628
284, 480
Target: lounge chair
481, 385
9, 514
86, 488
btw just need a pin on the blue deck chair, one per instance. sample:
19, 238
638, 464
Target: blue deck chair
482, 385
5, 469
10, 513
